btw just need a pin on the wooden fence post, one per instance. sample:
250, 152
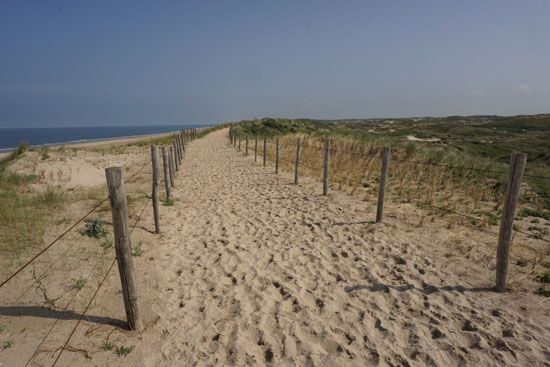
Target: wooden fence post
180, 152
325, 166
385, 155
246, 146
174, 151
265, 144
123, 246
239, 142
297, 163
155, 190
277, 156
231, 134
171, 166
166, 166
256, 148
515, 175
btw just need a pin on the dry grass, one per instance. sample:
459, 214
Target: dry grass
458, 197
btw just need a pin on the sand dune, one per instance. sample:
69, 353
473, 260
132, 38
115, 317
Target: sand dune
252, 270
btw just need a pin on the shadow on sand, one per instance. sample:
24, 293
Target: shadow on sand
49, 313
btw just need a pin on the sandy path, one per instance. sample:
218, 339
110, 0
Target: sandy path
262, 271
252, 270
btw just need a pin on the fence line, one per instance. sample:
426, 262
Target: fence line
507, 216
65, 232
97, 290
177, 147
401, 160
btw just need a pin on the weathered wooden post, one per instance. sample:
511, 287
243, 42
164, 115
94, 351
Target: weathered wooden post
166, 166
239, 142
277, 156
180, 151
515, 175
174, 151
385, 155
123, 246
155, 190
177, 153
326, 158
265, 145
171, 166
246, 146
297, 163
231, 134
256, 148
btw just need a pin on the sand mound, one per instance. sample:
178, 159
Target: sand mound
414, 138
70, 168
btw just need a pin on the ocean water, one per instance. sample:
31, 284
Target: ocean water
11, 138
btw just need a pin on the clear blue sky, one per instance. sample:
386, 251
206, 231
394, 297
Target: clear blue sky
71, 63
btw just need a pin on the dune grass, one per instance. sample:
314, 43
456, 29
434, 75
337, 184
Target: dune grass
24, 213
427, 174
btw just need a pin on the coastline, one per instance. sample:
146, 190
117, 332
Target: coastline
95, 142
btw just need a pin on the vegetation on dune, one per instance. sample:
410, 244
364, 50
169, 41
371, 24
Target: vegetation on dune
483, 142
434, 174
22, 209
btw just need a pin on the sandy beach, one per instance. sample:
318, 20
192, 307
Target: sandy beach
252, 270
99, 142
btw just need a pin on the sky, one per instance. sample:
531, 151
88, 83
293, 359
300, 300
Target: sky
87, 63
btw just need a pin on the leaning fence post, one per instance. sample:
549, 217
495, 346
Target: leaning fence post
246, 146
155, 191
385, 154
171, 166
515, 175
265, 144
277, 156
256, 148
123, 246
297, 163
166, 166
325, 166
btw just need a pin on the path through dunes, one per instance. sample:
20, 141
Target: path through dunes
253, 270
257, 270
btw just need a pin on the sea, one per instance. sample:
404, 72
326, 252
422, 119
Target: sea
11, 138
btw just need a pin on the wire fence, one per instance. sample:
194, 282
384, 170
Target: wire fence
177, 144
482, 195
365, 171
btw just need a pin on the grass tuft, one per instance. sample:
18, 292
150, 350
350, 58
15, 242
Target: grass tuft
95, 229
123, 351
